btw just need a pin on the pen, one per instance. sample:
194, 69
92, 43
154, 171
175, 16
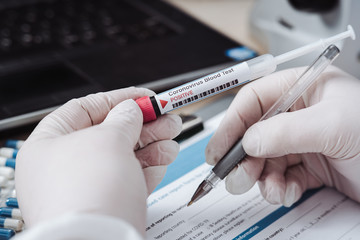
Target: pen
237, 153
223, 80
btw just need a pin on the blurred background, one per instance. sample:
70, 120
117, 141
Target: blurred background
279, 26
54, 50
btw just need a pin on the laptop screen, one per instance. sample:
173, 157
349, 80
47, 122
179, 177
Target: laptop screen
54, 50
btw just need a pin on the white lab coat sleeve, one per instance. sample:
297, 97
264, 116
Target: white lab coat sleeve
81, 226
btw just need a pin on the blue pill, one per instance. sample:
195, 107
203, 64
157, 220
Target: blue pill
14, 143
10, 162
7, 162
6, 233
10, 212
14, 224
12, 202
8, 152
6, 211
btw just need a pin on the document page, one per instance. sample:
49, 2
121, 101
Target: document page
320, 214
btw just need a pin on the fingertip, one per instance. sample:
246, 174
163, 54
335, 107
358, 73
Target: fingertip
125, 118
273, 193
130, 92
165, 127
210, 157
144, 91
154, 176
175, 123
238, 181
127, 108
127, 103
252, 141
292, 194
216, 147
158, 153
172, 148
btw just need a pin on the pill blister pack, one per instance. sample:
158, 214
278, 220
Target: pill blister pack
11, 221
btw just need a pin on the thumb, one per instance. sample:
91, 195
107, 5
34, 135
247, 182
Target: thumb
301, 131
126, 120
154, 176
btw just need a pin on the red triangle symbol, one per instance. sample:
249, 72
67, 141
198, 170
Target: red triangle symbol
163, 103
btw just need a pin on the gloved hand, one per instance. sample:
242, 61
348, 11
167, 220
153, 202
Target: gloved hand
94, 155
316, 143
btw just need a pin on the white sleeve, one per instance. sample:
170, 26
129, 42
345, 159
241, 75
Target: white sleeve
81, 226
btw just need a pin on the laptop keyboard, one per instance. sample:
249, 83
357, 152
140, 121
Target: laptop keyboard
58, 25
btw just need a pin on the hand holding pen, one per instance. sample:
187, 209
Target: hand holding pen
237, 153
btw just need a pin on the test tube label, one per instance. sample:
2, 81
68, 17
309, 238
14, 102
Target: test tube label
203, 87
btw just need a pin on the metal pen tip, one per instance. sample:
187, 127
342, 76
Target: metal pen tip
203, 189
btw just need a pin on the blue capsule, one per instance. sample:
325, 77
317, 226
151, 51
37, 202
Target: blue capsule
10, 162
11, 223
8, 152
7, 162
6, 211
12, 202
14, 143
10, 212
6, 233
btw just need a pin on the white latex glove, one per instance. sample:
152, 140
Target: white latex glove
91, 156
316, 143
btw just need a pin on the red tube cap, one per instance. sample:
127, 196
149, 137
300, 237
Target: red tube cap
146, 108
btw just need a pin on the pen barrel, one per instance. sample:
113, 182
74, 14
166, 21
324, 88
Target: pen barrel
230, 160
300, 86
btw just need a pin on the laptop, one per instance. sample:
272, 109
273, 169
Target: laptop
54, 50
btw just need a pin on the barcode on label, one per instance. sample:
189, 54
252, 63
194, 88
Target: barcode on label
206, 93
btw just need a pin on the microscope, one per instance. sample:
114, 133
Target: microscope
283, 25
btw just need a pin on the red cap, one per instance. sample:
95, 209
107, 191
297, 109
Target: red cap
146, 108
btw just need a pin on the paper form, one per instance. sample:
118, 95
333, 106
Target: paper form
319, 214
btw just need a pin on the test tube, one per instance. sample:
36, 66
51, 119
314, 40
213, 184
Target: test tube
225, 79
